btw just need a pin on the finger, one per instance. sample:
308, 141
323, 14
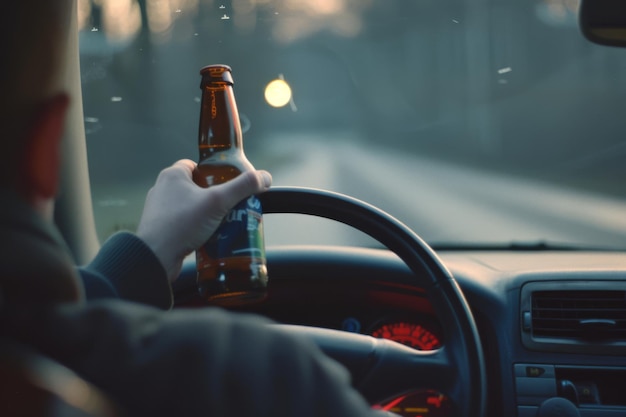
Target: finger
186, 165
249, 182
226, 195
183, 167
266, 180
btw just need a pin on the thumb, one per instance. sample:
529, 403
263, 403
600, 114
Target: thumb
225, 196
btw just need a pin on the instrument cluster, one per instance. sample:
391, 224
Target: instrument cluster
416, 332
420, 334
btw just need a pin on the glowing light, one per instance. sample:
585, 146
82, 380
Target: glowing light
278, 93
558, 12
395, 402
307, 17
84, 13
317, 7
121, 19
159, 16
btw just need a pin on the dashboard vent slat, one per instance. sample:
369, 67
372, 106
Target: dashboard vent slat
579, 314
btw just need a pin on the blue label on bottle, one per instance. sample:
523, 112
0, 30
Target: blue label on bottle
239, 234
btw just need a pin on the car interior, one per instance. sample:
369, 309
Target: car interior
529, 329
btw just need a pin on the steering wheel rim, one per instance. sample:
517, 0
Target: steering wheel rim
459, 364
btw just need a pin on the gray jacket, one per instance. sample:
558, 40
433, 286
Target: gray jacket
201, 362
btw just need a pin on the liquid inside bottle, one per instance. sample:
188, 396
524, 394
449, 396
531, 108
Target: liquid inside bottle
231, 265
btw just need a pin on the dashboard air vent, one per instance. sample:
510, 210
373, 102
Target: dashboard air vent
586, 315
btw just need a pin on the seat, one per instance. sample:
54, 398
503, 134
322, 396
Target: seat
32, 385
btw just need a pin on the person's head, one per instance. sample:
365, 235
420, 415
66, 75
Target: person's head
33, 42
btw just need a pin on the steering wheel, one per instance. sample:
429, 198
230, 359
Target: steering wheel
382, 368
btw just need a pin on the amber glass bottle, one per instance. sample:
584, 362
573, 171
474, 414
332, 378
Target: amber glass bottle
231, 264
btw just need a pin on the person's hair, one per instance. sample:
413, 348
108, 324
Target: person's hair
33, 37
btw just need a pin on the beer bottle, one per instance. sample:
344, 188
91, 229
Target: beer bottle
231, 264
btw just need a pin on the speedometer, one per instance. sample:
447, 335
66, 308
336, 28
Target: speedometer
411, 334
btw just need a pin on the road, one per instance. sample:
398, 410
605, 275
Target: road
443, 203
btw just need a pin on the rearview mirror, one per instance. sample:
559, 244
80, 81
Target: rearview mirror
604, 21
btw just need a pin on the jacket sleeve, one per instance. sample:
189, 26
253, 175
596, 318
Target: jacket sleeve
205, 362
126, 268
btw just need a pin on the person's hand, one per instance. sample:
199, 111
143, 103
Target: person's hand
179, 216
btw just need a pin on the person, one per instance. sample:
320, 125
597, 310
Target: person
106, 321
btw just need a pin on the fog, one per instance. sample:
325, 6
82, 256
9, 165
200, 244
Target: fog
506, 87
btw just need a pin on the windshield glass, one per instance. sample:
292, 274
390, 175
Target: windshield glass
483, 122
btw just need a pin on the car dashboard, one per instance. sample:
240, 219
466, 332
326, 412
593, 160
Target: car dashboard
551, 323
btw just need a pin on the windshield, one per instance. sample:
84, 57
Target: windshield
482, 122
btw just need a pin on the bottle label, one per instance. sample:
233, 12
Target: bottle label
239, 235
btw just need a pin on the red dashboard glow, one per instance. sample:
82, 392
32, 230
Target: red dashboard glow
425, 403
410, 334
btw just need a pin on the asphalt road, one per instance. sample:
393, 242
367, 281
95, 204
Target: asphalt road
443, 203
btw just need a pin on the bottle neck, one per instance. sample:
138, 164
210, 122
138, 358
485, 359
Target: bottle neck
220, 129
